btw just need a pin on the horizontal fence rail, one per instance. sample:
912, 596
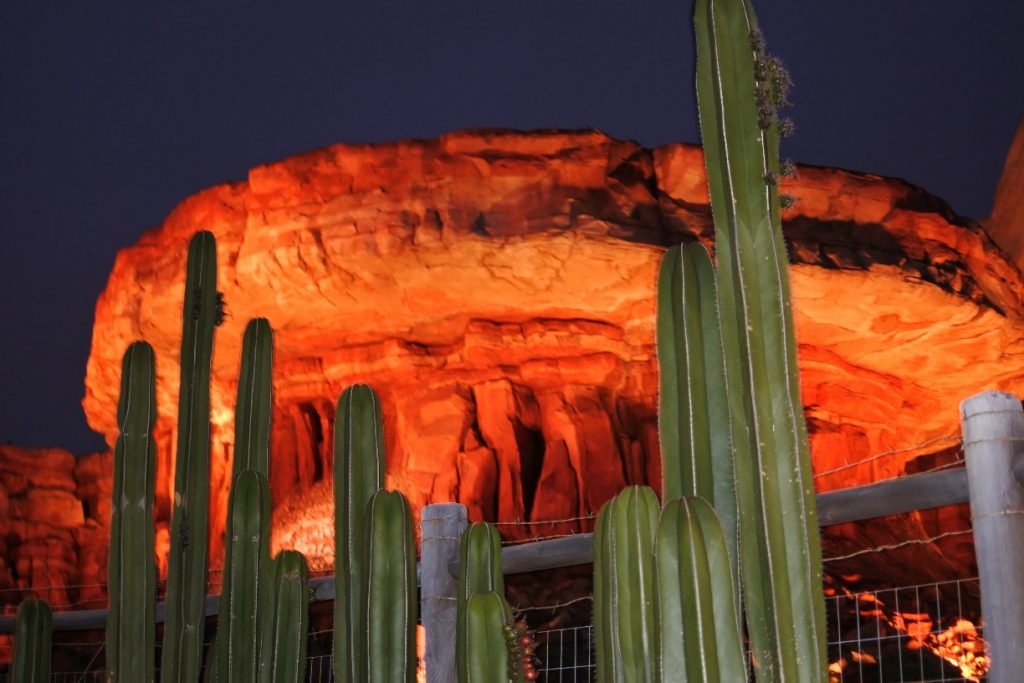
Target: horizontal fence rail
993, 442
894, 496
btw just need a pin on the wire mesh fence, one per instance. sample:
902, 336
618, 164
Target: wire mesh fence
927, 633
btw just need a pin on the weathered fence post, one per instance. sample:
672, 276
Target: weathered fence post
441, 526
993, 431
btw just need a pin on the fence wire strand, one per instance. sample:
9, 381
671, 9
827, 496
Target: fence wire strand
896, 546
886, 454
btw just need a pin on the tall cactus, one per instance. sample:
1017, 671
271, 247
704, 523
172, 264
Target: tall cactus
479, 572
284, 657
246, 580
698, 624
624, 612
779, 546
131, 622
186, 572
33, 629
358, 475
694, 422
251, 455
391, 598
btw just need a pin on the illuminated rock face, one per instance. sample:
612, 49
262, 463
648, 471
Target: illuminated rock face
497, 290
54, 520
1006, 224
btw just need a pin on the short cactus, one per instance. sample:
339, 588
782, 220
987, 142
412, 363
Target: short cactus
33, 629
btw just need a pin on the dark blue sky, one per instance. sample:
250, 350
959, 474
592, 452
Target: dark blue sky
111, 115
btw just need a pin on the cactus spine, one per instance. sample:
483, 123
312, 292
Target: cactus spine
779, 546
131, 623
246, 580
33, 628
391, 597
697, 618
358, 475
624, 613
246, 553
284, 658
186, 573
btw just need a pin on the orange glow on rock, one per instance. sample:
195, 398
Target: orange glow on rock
497, 289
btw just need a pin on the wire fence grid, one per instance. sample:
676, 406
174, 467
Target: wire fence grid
927, 633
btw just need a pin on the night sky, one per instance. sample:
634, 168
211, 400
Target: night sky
110, 116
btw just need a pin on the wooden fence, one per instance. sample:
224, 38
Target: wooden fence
992, 482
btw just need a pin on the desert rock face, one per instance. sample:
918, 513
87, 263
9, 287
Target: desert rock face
54, 521
497, 290
1006, 224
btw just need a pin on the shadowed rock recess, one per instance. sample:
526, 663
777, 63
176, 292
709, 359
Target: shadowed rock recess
497, 289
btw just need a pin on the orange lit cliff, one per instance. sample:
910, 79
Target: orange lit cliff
497, 289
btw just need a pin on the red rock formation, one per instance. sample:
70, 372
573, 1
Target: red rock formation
497, 289
54, 516
1006, 224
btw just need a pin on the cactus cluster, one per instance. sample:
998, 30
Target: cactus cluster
777, 534
263, 616
736, 533
664, 606
736, 465
375, 556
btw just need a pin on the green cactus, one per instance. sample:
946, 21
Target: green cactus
479, 571
358, 475
252, 455
391, 596
186, 573
780, 553
694, 425
284, 656
33, 628
131, 622
487, 650
624, 613
254, 405
246, 581
698, 623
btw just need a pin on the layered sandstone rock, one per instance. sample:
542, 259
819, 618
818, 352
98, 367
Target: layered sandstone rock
54, 520
497, 289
